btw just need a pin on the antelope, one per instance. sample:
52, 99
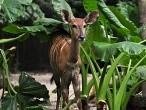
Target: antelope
65, 56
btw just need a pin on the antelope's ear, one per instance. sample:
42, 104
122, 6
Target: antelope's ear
91, 17
65, 16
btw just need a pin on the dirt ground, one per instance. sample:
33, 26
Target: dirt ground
44, 78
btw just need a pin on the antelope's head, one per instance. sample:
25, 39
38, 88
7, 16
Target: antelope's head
78, 25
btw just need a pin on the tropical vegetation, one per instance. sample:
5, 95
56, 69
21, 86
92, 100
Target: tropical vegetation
114, 52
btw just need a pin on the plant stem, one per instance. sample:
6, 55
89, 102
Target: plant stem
128, 95
122, 88
2, 41
89, 86
84, 79
3, 86
6, 72
124, 83
103, 74
93, 70
142, 41
103, 89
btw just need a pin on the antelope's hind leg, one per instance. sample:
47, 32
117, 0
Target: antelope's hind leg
57, 82
76, 87
65, 82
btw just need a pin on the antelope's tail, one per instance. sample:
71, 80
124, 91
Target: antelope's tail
52, 79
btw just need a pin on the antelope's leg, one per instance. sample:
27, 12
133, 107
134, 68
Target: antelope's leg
58, 97
76, 87
57, 81
65, 82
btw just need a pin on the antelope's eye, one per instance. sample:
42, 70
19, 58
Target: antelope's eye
84, 26
74, 26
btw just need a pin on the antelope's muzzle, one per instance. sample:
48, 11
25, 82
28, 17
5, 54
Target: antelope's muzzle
81, 38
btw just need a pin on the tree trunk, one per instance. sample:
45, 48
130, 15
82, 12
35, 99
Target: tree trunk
142, 20
142, 16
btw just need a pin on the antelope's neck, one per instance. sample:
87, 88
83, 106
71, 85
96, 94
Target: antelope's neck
74, 51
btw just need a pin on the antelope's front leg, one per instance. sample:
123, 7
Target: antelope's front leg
65, 82
76, 87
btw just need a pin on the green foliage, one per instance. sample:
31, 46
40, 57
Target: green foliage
118, 96
14, 29
129, 10
131, 53
61, 4
39, 26
94, 33
30, 87
87, 87
47, 22
36, 108
106, 50
9, 103
102, 42
31, 13
11, 39
5, 72
108, 14
140, 72
90, 5
13, 8
125, 22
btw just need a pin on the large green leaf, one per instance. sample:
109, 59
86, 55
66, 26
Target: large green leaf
107, 12
14, 29
141, 72
29, 86
25, 2
130, 10
106, 50
47, 22
1, 2
90, 5
39, 26
94, 33
45, 25
127, 23
9, 103
131, 48
120, 28
61, 4
13, 8
134, 58
23, 101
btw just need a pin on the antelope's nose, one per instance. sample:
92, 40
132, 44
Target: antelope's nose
81, 38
